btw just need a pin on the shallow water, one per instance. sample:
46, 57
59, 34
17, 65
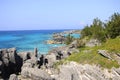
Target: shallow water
28, 40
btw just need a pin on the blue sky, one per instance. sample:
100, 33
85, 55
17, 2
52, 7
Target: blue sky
53, 14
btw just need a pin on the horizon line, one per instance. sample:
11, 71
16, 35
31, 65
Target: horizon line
38, 29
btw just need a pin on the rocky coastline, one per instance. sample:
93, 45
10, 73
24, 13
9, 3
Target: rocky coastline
31, 66
27, 66
23, 65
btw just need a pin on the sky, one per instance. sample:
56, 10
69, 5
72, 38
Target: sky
54, 14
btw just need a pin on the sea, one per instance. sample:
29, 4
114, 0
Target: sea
27, 40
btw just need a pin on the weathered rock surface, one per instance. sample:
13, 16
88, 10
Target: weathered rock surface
110, 55
25, 55
13, 77
57, 39
35, 74
104, 53
74, 71
10, 62
73, 44
59, 53
92, 43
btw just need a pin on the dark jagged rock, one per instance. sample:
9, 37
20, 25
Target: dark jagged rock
1, 67
41, 62
10, 62
35, 52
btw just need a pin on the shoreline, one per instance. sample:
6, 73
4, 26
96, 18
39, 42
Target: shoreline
51, 66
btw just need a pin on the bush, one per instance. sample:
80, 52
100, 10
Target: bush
69, 39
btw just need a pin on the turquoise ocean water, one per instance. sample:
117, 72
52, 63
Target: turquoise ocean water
28, 40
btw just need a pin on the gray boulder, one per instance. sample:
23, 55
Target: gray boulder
93, 42
25, 55
4, 56
105, 54
35, 74
51, 59
28, 55
30, 63
13, 77
12, 54
73, 44
75, 71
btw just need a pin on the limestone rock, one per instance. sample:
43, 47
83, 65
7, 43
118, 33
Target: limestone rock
73, 44
13, 77
10, 62
92, 43
35, 74
75, 71
105, 54
25, 55
12, 54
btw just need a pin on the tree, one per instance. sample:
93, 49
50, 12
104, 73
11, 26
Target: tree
113, 26
95, 30
98, 30
86, 31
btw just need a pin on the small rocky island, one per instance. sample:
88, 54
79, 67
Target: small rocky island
60, 38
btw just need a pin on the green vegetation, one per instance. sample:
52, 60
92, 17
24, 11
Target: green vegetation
108, 34
90, 56
69, 39
113, 26
101, 30
112, 45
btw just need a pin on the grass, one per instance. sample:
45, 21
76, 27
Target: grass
92, 57
113, 45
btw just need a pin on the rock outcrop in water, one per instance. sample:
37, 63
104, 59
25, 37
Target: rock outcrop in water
57, 39
60, 38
